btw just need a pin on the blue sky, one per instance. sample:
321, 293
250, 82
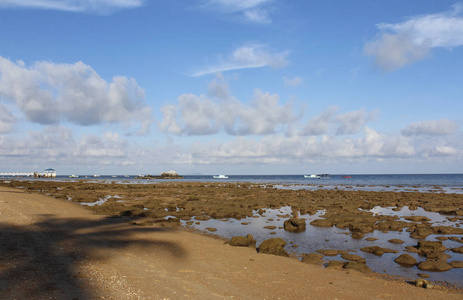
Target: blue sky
231, 86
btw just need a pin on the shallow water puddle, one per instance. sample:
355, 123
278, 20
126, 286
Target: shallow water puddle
317, 238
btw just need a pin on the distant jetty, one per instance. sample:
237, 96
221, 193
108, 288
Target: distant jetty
164, 175
48, 173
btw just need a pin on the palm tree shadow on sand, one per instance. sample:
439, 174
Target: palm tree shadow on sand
40, 261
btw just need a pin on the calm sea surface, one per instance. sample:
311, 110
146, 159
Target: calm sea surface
448, 183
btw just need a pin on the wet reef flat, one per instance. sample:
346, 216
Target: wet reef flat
357, 217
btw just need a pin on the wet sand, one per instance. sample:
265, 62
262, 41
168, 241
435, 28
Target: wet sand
55, 248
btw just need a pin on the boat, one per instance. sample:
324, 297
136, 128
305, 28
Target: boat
347, 176
96, 175
73, 176
220, 176
318, 176
313, 176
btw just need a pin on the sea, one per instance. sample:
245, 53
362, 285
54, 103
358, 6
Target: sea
445, 183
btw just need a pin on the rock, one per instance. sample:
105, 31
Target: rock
438, 256
424, 275
353, 257
447, 230
457, 264
430, 246
328, 252
378, 250
322, 223
211, 229
273, 246
360, 267
241, 241
421, 283
406, 260
434, 266
295, 225
371, 239
357, 235
335, 264
396, 241
417, 219
270, 227
458, 250
313, 258
421, 233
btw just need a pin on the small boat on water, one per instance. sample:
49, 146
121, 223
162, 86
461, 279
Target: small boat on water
313, 176
220, 176
74, 176
96, 175
347, 176
317, 176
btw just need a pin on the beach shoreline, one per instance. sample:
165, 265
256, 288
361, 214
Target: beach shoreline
182, 254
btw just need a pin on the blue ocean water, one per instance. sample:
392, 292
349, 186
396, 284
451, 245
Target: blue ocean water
448, 183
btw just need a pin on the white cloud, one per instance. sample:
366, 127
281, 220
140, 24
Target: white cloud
351, 122
404, 43
245, 57
80, 6
6, 119
294, 82
253, 10
343, 124
200, 115
49, 93
434, 127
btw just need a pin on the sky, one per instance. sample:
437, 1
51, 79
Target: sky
231, 86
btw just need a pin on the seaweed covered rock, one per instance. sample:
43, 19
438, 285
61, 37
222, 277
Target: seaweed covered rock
273, 246
430, 246
406, 260
434, 265
353, 257
295, 225
241, 241
378, 250
313, 258
360, 267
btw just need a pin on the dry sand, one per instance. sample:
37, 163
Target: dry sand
55, 249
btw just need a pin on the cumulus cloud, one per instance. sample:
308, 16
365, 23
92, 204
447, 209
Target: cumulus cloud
278, 149
49, 93
294, 82
245, 57
253, 10
203, 115
434, 127
6, 119
403, 43
342, 124
78, 6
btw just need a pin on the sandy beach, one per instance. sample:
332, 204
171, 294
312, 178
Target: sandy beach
51, 248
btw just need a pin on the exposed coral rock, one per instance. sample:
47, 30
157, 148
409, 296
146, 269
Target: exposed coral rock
378, 250
360, 267
434, 265
313, 258
241, 241
295, 225
406, 260
273, 246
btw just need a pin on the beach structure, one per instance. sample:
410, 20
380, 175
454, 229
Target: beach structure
50, 173
17, 174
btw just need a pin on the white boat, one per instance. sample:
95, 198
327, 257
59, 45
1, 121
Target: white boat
312, 176
220, 176
96, 175
74, 176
